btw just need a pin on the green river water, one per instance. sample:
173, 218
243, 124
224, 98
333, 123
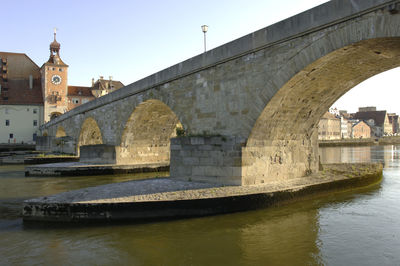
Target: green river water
360, 227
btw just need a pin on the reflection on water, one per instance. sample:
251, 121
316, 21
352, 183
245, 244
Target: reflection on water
353, 228
386, 154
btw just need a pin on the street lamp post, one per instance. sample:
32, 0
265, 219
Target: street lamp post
204, 28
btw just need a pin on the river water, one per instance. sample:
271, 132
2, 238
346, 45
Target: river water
360, 227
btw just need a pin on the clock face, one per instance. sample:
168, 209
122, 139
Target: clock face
56, 79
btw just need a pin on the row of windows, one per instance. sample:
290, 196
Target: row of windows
7, 111
323, 133
11, 136
35, 123
76, 101
53, 68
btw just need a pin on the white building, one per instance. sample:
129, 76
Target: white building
21, 101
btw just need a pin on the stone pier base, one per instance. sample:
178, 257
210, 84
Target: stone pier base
215, 159
231, 161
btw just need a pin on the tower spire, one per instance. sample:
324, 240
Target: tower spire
55, 46
55, 33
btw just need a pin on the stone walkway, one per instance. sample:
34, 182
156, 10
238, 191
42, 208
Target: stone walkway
169, 189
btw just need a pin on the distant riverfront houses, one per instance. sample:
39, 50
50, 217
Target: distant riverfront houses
366, 123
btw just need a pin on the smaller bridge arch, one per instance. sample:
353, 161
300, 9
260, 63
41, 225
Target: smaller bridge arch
60, 132
90, 133
147, 133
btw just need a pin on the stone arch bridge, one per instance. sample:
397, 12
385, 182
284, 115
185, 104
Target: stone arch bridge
245, 112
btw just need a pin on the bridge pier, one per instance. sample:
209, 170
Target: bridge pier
97, 154
213, 159
231, 161
279, 160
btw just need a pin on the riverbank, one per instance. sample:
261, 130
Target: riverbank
16, 147
33, 157
163, 198
348, 142
393, 140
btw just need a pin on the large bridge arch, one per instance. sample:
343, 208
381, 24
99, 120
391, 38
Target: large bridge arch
284, 137
147, 133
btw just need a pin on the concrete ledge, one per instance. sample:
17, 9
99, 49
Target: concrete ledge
46, 160
187, 199
83, 169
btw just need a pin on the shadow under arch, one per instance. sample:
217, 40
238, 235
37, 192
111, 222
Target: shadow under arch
60, 132
147, 133
284, 137
90, 133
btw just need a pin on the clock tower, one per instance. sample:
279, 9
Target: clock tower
54, 83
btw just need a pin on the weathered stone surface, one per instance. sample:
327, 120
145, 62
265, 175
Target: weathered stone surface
172, 198
97, 154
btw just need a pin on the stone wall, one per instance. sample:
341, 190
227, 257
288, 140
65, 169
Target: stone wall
56, 145
141, 154
97, 154
214, 159
43, 143
279, 160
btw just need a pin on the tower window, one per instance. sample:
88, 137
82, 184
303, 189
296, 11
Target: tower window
53, 68
11, 135
34, 111
7, 122
35, 123
60, 69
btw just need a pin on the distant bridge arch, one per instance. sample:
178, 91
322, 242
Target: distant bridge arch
60, 132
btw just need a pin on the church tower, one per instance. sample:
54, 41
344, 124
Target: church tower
54, 83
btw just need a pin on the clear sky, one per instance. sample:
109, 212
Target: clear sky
131, 39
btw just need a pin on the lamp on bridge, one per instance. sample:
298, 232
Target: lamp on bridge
204, 28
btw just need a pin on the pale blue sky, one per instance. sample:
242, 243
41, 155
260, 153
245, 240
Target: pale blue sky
130, 39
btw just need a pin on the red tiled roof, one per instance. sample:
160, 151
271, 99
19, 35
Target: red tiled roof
18, 92
15, 89
80, 91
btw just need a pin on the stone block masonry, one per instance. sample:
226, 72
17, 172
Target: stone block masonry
98, 154
213, 159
